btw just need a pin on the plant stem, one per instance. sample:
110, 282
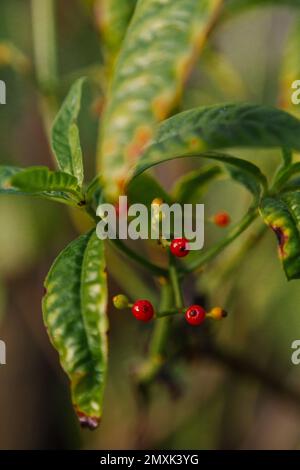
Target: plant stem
44, 42
148, 371
43, 26
216, 249
174, 278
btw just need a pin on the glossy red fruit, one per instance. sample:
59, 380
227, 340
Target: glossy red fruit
222, 219
179, 247
143, 310
195, 315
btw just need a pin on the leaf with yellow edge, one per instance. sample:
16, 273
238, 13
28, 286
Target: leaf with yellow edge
160, 47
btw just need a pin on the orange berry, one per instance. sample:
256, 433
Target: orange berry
222, 219
217, 313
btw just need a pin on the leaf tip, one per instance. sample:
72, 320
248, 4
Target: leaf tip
85, 421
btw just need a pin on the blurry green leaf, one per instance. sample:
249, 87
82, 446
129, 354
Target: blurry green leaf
194, 132
74, 309
94, 192
235, 6
282, 215
194, 182
144, 189
114, 17
287, 157
159, 49
245, 179
220, 78
65, 134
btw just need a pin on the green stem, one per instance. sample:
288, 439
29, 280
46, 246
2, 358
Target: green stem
122, 247
174, 278
45, 53
157, 348
211, 253
169, 313
44, 41
162, 327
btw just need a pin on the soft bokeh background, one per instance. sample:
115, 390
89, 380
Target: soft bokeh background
218, 407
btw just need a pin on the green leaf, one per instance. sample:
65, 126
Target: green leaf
40, 178
74, 309
6, 173
65, 134
40, 182
195, 132
114, 17
144, 189
159, 49
94, 192
246, 179
282, 215
194, 183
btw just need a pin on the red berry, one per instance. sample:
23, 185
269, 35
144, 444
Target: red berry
143, 310
222, 219
195, 315
179, 247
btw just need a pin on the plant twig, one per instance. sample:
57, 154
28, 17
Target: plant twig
211, 253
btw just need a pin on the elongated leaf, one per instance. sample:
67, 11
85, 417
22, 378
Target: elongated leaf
94, 192
65, 134
74, 309
246, 179
282, 215
144, 189
194, 183
40, 178
194, 132
113, 19
40, 182
160, 47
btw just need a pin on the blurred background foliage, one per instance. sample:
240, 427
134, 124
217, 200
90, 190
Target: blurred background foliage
216, 404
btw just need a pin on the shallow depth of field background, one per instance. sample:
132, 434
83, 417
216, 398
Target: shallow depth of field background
218, 409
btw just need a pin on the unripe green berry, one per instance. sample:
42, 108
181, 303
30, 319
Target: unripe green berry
120, 301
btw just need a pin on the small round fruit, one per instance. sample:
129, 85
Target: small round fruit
120, 301
218, 313
157, 202
195, 315
143, 310
179, 247
222, 219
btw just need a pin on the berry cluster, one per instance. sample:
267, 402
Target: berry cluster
179, 247
143, 310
